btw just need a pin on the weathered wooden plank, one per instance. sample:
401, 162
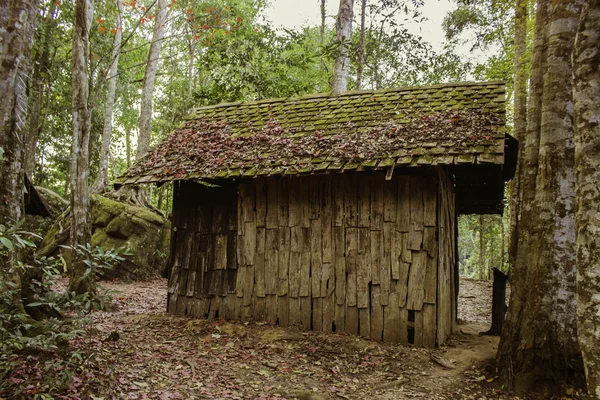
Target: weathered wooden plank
328, 312
249, 243
430, 201
248, 285
316, 267
317, 314
240, 285
284, 262
294, 202
337, 197
272, 220
305, 284
402, 284
261, 234
283, 196
327, 279
351, 320
363, 267
396, 253
283, 310
340, 265
261, 202
231, 250
429, 325
314, 197
364, 201
406, 255
247, 197
326, 219
391, 320
403, 326
390, 191
220, 251
220, 218
303, 202
350, 201
191, 281
415, 238
429, 240
340, 318
385, 275
364, 322
416, 281
204, 217
376, 314
300, 239
403, 220
305, 313
271, 271
259, 274
376, 255
377, 202
418, 336
351, 256
271, 239
430, 283
416, 203
294, 274
295, 314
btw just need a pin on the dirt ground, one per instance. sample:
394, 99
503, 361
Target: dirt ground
139, 352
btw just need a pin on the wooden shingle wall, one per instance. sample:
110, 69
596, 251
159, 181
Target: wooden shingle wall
349, 253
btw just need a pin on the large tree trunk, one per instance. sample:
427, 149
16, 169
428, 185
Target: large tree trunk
102, 180
80, 201
538, 343
17, 19
586, 96
343, 31
519, 118
361, 49
149, 79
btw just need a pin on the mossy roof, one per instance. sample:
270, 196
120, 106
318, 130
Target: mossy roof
448, 124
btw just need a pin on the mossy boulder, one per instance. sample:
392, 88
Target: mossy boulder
116, 224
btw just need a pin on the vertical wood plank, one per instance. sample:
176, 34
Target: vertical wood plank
351, 320
294, 274
272, 220
396, 253
376, 255
364, 201
403, 222
316, 267
340, 318
271, 309
391, 323
350, 201
429, 240
305, 284
303, 202
364, 322
295, 314
418, 341
249, 243
305, 313
340, 266
247, 194
430, 201
351, 256
283, 263
363, 268
328, 312
283, 310
430, 283
259, 274
416, 203
283, 197
220, 251
271, 271
377, 202
314, 197
326, 219
385, 275
337, 204
248, 286
390, 191
294, 202
376, 314
429, 325
416, 280
317, 314
403, 326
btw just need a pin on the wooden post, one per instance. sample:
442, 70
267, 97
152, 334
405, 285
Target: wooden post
498, 303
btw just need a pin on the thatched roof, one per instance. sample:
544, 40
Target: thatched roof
450, 124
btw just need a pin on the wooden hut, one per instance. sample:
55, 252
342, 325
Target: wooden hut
332, 212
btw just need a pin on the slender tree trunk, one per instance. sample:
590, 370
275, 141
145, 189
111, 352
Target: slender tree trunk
343, 32
502, 245
361, 49
149, 78
80, 223
520, 118
17, 20
39, 89
586, 96
102, 180
544, 279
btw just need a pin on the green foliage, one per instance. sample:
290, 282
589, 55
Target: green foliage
14, 237
494, 232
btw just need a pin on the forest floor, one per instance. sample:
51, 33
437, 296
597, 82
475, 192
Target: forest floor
161, 356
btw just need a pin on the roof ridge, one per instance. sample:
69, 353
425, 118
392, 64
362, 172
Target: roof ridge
331, 95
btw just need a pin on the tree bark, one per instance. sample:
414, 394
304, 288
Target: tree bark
361, 49
343, 32
519, 118
149, 78
80, 223
17, 20
538, 343
586, 97
102, 180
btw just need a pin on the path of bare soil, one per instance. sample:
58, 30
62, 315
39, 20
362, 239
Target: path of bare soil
160, 356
